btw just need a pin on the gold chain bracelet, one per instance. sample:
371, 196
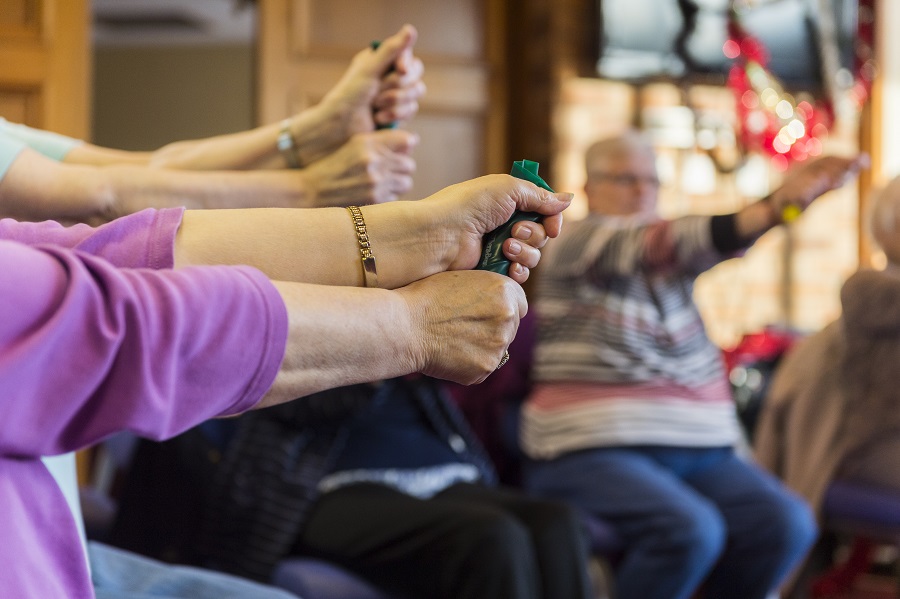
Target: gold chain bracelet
370, 274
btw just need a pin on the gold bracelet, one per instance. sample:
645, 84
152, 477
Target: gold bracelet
370, 274
286, 145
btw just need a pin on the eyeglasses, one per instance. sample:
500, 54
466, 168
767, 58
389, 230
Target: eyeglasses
626, 180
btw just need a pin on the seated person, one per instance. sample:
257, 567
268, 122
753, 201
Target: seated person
387, 480
631, 417
831, 412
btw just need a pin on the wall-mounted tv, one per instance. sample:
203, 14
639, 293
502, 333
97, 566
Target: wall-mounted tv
652, 39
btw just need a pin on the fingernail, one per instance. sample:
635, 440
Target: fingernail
524, 232
515, 247
566, 196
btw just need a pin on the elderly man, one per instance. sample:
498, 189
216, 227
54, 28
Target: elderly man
631, 417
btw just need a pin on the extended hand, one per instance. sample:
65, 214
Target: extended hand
367, 94
371, 168
473, 208
812, 179
463, 322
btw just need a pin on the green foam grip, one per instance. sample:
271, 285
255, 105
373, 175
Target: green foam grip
392, 124
492, 257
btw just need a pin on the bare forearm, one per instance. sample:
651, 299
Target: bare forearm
253, 149
136, 188
410, 240
246, 150
89, 154
755, 219
36, 188
257, 148
339, 337
316, 246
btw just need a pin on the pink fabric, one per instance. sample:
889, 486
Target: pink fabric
93, 340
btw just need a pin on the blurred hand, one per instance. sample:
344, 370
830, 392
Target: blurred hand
463, 213
809, 180
463, 322
371, 168
367, 93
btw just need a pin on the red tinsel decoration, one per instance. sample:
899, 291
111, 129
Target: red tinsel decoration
864, 69
774, 122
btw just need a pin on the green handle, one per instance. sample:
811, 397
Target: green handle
392, 125
492, 257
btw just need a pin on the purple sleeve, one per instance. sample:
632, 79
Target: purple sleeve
145, 239
88, 349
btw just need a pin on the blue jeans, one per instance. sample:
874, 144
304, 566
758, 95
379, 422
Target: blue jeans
689, 517
119, 574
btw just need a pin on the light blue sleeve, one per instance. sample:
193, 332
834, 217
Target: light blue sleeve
9, 149
52, 145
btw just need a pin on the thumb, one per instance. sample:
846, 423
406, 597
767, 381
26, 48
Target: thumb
531, 198
397, 140
392, 51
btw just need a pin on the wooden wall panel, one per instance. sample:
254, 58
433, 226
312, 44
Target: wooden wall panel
45, 64
455, 154
20, 19
335, 27
306, 45
22, 106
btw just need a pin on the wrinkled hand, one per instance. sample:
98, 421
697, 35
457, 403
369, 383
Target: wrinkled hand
368, 94
371, 168
470, 209
812, 179
463, 322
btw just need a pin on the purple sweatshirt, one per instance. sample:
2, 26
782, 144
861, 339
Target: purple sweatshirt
88, 348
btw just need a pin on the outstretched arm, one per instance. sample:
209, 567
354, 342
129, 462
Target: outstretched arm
37, 188
410, 240
366, 94
370, 168
95, 348
453, 326
801, 186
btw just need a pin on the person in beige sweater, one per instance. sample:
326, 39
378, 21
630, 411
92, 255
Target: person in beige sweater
831, 413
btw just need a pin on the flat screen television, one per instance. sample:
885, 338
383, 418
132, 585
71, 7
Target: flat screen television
675, 39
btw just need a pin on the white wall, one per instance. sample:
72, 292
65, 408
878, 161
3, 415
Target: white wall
889, 66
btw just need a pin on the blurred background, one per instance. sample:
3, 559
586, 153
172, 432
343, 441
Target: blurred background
731, 92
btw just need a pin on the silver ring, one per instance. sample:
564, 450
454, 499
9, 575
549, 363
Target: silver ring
504, 360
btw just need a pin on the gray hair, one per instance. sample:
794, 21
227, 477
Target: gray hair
630, 141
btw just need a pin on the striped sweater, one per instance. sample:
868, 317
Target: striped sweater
622, 356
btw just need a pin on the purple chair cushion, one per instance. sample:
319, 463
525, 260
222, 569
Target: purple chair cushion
859, 509
604, 540
316, 579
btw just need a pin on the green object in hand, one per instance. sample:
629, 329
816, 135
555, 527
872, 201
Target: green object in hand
492, 257
392, 124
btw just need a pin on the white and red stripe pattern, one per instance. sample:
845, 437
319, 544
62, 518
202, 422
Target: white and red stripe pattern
622, 357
